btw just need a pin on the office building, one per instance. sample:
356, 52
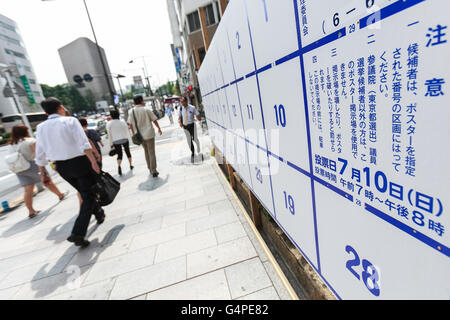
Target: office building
80, 59
13, 53
193, 24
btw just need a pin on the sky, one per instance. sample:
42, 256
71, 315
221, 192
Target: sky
126, 29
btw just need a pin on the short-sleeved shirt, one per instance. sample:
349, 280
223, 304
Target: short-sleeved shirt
191, 113
94, 137
144, 119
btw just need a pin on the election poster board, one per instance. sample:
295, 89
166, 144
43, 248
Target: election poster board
337, 115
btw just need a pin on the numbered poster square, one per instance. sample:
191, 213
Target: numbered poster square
284, 112
224, 108
293, 204
234, 105
371, 259
238, 38
223, 56
260, 175
251, 111
272, 22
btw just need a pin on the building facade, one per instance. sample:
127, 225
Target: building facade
81, 58
14, 54
193, 24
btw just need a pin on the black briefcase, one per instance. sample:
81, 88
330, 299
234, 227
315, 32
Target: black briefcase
106, 189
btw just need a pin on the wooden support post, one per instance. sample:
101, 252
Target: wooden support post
254, 207
231, 175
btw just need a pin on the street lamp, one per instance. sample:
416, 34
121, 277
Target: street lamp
118, 76
145, 73
111, 91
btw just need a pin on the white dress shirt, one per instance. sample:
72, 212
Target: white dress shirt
191, 113
60, 138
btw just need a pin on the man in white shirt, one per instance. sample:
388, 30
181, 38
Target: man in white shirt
61, 140
143, 117
186, 119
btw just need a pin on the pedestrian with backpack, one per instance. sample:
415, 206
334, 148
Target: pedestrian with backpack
21, 162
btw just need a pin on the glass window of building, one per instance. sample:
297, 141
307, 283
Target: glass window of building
193, 21
15, 53
7, 26
209, 15
10, 40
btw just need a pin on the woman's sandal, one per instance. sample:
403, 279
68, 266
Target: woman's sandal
34, 214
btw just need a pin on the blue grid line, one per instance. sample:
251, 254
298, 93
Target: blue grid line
387, 11
411, 231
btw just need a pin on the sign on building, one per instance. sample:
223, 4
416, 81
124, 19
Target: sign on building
337, 117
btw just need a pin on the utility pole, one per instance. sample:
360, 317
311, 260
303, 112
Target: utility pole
111, 91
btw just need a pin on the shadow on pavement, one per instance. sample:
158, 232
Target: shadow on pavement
28, 223
124, 177
153, 183
72, 273
186, 161
60, 232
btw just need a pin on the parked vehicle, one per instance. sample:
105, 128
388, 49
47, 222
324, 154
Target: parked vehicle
12, 120
98, 125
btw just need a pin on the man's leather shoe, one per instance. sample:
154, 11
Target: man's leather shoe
102, 218
79, 241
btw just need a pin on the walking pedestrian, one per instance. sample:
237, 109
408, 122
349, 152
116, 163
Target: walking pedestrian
141, 118
119, 136
22, 142
186, 119
169, 111
95, 139
61, 139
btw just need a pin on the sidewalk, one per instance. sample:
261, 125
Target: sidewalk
179, 236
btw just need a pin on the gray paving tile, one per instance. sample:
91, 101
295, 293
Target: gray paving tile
185, 216
35, 272
145, 280
7, 294
49, 286
264, 294
230, 232
220, 256
247, 277
185, 245
153, 238
211, 286
125, 263
96, 291
210, 222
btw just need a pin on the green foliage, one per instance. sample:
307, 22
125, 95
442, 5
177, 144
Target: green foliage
70, 97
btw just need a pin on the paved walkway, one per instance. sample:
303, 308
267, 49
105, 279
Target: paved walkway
180, 236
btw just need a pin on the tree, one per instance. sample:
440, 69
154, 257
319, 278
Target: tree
69, 96
176, 89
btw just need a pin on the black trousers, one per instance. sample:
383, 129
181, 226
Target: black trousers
118, 148
78, 172
191, 135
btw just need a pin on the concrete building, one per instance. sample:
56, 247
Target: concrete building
13, 52
193, 24
81, 57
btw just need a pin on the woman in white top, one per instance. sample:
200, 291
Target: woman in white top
21, 141
118, 136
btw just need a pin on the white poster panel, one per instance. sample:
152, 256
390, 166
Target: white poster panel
337, 118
